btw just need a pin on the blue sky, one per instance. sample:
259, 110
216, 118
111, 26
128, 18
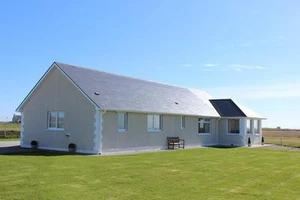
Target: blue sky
246, 50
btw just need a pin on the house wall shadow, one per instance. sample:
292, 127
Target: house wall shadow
18, 151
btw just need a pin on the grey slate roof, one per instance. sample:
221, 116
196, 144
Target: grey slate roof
122, 93
227, 108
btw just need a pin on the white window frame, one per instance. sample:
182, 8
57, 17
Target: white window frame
56, 128
204, 121
251, 127
230, 133
125, 122
153, 129
258, 123
183, 124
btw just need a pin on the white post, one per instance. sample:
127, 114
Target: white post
243, 130
97, 131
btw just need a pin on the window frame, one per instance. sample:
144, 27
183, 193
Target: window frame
125, 122
183, 123
57, 114
205, 122
232, 133
153, 129
258, 123
251, 127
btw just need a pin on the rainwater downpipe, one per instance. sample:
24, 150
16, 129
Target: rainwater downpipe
218, 130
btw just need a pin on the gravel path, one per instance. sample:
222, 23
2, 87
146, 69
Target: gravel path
7, 147
11, 147
278, 147
9, 143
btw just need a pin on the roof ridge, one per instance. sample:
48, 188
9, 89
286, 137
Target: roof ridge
130, 77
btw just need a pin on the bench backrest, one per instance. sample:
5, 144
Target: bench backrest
173, 139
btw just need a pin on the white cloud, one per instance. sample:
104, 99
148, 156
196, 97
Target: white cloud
238, 67
205, 70
260, 67
211, 64
271, 91
186, 65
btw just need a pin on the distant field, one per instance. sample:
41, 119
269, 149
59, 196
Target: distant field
12, 131
282, 137
10, 127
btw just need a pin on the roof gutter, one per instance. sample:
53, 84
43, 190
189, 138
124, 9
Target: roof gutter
154, 112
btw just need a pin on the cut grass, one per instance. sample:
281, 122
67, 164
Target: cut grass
208, 173
9, 139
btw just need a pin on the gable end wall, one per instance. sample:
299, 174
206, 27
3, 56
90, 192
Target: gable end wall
57, 93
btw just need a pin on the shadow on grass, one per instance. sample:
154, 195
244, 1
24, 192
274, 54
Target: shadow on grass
17, 151
224, 147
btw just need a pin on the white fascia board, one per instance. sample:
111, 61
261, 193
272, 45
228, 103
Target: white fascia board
257, 118
19, 109
161, 113
178, 114
243, 118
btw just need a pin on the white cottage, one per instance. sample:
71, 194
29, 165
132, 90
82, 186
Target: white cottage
103, 113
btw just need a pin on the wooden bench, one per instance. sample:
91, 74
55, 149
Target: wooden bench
175, 142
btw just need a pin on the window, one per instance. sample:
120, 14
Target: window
234, 126
203, 125
56, 120
182, 122
154, 122
122, 121
249, 126
256, 126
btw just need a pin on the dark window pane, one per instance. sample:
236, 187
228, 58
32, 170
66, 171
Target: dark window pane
61, 120
52, 120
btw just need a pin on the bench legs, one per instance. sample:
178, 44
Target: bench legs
173, 145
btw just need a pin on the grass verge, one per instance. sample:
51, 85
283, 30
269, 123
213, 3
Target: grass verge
9, 139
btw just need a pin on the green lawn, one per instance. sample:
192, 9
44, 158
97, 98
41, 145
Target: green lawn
208, 173
10, 126
285, 141
9, 139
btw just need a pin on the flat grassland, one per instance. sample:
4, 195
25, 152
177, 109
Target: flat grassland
12, 131
10, 126
282, 137
205, 173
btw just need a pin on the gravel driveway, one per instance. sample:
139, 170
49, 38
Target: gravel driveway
278, 147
